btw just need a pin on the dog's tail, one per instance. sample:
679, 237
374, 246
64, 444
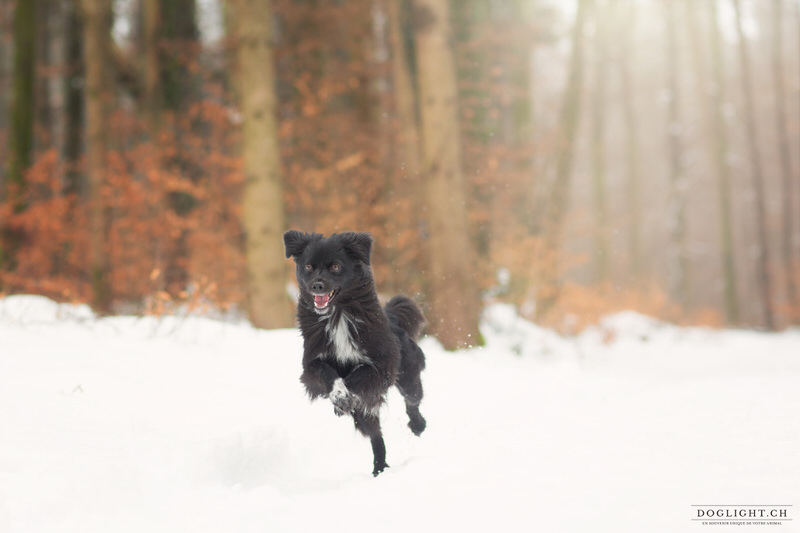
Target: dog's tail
407, 314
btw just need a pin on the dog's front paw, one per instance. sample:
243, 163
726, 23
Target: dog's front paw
343, 400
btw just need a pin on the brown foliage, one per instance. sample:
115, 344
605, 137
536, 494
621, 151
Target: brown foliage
146, 227
49, 260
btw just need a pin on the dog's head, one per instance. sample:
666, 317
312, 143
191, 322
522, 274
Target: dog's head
329, 269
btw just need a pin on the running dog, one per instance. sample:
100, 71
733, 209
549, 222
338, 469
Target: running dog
354, 350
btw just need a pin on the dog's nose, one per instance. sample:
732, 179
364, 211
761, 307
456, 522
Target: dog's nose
318, 286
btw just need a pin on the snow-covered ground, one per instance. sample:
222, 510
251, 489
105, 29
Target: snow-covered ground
188, 424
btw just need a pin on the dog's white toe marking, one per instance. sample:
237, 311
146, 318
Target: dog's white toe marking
339, 390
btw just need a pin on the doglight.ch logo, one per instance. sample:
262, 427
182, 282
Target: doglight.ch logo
742, 515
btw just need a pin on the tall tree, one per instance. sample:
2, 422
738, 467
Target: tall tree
263, 216
679, 263
169, 88
22, 119
508, 67
96, 46
43, 113
152, 87
723, 169
627, 18
22, 99
556, 208
712, 93
568, 120
783, 149
455, 302
602, 237
407, 156
73, 98
763, 279
5, 68
178, 28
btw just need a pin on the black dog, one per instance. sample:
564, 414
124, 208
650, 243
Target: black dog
353, 350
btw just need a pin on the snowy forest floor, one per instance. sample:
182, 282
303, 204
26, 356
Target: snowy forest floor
189, 424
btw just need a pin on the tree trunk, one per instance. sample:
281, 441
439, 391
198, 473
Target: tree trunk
762, 267
723, 170
263, 216
96, 44
5, 77
712, 94
553, 224
602, 237
511, 92
405, 103
179, 30
407, 158
153, 92
20, 139
455, 302
73, 100
171, 28
22, 102
628, 24
678, 258
785, 157
569, 116
43, 113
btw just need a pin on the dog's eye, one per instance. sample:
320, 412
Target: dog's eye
335, 267
309, 268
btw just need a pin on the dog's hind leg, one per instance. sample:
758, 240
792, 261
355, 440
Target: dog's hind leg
370, 426
410, 386
413, 395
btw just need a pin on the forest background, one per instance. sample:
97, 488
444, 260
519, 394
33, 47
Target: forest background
571, 157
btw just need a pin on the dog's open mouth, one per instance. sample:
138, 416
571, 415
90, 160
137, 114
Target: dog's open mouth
321, 301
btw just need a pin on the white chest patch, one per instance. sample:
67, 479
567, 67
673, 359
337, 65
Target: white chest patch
345, 348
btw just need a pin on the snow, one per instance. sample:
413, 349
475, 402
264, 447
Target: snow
189, 424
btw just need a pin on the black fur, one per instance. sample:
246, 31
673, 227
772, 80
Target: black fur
347, 336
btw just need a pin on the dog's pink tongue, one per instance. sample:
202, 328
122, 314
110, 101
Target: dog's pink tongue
321, 300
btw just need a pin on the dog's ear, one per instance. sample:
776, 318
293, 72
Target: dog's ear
295, 242
359, 245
